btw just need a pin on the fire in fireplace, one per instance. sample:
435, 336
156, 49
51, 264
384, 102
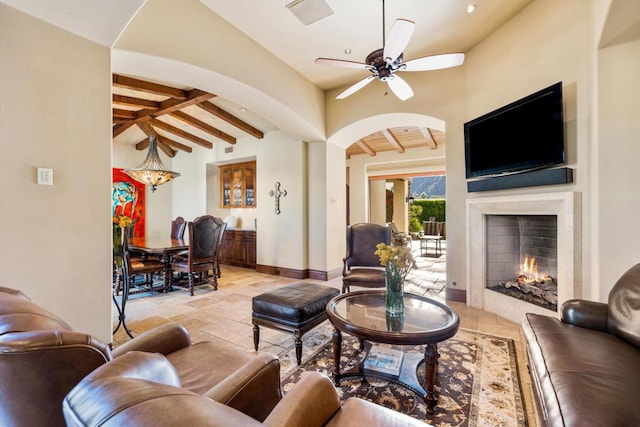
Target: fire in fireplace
531, 286
522, 258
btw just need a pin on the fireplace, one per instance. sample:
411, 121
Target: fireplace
505, 232
522, 257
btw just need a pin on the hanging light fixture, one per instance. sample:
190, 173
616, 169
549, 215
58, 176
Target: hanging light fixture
151, 171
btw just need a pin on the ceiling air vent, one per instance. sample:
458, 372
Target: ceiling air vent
228, 150
310, 11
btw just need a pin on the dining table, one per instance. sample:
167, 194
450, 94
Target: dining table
163, 247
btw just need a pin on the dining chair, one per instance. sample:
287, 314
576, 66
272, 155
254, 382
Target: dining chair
178, 226
204, 238
223, 224
361, 264
134, 266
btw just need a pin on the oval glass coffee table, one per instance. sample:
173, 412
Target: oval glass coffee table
425, 322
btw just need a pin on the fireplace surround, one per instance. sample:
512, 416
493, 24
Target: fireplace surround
566, 207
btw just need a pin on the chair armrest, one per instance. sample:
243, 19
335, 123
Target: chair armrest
14, 292
254, 389
164, 339
310, 403
585, 314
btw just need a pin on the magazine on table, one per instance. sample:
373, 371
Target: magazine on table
385, 360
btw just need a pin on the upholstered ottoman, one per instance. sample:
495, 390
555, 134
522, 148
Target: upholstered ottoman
295, 308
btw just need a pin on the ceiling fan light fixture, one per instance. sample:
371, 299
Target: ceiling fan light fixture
151, 171
310, 11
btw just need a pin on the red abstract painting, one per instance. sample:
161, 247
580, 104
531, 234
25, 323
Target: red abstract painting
128, 198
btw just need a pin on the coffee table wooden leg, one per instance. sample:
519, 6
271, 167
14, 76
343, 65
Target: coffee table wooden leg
337, 350
430, 366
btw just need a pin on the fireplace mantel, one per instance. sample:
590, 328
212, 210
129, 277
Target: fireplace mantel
566, 206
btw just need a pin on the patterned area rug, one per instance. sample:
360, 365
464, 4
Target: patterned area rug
477, 383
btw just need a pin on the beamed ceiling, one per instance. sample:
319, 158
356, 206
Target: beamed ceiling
183, 117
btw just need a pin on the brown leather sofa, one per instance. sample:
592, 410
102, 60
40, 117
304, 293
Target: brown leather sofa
586, 367
42, 358
142, 389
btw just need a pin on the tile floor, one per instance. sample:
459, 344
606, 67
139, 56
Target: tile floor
225, 315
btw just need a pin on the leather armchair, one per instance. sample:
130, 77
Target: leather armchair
42, 358
142, 389
361, 265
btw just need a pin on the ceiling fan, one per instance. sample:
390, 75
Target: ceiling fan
384, 63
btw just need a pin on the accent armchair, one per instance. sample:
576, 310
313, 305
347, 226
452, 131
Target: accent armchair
361, 264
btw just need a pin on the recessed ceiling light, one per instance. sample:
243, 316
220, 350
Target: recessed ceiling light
244, 110
347, 51
471, 8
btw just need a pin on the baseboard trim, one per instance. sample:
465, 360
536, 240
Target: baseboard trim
457, 295
281, 271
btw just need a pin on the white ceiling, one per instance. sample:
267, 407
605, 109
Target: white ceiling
442, 26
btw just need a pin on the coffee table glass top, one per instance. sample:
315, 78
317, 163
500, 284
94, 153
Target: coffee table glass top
364, 310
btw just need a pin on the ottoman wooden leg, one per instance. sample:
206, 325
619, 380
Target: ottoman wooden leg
298, 342
256, 336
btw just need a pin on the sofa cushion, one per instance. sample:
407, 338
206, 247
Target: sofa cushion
624, 306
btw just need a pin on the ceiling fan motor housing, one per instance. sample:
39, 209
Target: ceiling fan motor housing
380, 67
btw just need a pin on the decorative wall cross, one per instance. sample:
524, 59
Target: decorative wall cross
277, 193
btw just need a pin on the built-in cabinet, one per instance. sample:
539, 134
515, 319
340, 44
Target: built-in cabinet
238, 185
239, 248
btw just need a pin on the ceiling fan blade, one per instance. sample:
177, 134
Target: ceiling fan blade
341, 63
401, 88
435, 62
398, 39
356, 87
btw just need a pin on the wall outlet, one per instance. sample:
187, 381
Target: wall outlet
45, 176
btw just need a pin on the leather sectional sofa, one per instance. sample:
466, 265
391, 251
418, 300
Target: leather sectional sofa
585, 368
42, 358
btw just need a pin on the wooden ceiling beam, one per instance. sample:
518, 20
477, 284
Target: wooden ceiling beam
366, 147
120, 128
392, 140
179, 132
231, 119
150, 131
431, 141
203, 126
130, 101
123, 114
148, 87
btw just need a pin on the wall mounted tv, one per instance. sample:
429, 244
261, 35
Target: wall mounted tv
525, 135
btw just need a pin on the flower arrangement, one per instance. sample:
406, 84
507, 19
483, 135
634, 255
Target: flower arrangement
122, 220
397, 261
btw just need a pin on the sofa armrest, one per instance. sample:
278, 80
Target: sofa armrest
254, 389
585, 314
310, 403
164, 339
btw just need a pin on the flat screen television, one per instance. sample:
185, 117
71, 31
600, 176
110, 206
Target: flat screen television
524, 135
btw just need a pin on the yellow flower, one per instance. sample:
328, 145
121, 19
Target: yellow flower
122, 220
398, 260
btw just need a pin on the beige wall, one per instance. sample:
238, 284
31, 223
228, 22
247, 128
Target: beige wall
55, 111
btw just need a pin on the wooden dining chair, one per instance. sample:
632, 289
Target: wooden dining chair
178, 226
204, 238
134, 266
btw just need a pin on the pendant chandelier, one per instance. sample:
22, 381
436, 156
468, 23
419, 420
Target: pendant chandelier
152, 172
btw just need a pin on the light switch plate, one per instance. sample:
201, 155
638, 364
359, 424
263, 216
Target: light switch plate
45, 176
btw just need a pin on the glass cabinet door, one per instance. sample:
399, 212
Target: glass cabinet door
225, 187
249, 185
236, 185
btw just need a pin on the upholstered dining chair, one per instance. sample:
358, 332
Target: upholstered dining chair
204, 238
178, 226
361, 264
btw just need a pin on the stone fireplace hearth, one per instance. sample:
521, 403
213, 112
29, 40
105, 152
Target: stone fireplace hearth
565, 206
